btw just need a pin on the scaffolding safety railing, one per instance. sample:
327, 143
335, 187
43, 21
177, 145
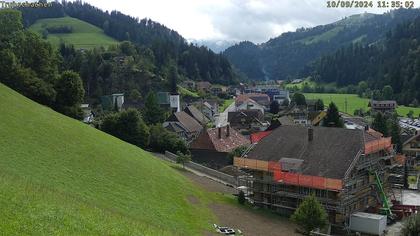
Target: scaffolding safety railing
289, 178
377, 145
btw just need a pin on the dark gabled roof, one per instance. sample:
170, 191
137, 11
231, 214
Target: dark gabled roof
209, 140
248, 116
196, 114
190, 124
329, 154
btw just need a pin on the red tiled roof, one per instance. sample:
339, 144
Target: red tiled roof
210, 140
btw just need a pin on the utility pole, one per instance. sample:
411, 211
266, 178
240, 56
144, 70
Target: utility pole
345, 104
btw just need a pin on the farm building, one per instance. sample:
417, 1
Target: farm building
251, 120
212, 146
345, 169
383, 106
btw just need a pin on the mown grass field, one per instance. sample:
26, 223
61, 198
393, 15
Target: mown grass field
84, 35
186, 92
354, 102
59, 176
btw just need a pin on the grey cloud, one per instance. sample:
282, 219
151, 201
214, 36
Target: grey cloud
242, 20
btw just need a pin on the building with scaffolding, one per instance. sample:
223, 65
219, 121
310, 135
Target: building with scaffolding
347, 170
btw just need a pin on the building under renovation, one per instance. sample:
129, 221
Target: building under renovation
346, 170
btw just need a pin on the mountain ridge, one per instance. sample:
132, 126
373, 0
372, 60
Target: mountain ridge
283, 57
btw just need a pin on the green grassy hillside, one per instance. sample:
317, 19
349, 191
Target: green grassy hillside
84, 35
61, 177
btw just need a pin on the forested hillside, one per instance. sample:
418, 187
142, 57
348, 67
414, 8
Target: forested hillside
285, 56
164, 46
395, 64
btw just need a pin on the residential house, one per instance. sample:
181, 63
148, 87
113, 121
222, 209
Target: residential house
299, 115
210, 108
196, 114
260, 98
112, 102
341, 167
249, 120
218, 89
383, 106
203, 86
281, 96
249, 104
185, 126
213, 146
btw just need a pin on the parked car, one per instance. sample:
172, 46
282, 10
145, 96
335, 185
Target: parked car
226, 230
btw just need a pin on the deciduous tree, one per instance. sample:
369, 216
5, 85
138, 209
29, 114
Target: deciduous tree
310, 215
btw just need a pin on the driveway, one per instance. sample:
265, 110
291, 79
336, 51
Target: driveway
222, 119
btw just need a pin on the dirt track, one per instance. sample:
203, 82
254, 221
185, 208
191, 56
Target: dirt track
250, 221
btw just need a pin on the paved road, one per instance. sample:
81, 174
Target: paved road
222, 119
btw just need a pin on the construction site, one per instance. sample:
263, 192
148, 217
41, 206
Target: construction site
349, 171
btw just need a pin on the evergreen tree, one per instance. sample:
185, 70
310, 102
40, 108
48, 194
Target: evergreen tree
333, 118
380, 124
310, 215
319, 105
395, 130
241, 197
153, 113
274, 107
387, 92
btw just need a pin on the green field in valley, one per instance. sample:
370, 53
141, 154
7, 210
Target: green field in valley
59, 176
84, 35
354, 102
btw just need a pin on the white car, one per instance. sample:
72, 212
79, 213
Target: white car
227, 230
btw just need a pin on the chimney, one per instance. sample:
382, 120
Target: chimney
310, 134
219, 130
228, 130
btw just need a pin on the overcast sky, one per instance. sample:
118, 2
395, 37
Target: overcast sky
237, 20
